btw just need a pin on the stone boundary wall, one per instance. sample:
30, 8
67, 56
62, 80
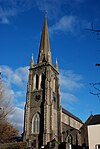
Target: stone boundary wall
15, 145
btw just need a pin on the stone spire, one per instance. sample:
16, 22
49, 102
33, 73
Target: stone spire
56, 66
32, 62
44, 51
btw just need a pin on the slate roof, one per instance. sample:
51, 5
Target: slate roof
71, 115
95, 120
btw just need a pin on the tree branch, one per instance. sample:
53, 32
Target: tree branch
97, 90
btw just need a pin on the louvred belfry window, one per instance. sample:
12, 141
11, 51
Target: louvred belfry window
37, 81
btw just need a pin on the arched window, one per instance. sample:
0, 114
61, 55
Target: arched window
34, 82
37, 81
53, 84
40, 77
36, 123
70, 139
76, 140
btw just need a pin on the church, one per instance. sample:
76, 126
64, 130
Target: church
46, 122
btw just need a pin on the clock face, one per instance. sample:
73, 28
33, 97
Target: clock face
37, 98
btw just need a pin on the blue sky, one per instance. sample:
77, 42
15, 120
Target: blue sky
76, 49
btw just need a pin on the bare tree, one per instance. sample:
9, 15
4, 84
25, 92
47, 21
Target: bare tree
5, 102
8, 132
96, 89
96, 86
93, 29
97, 64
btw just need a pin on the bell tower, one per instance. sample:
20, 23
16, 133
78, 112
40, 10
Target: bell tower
42, 118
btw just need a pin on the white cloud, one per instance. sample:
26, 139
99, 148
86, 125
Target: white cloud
22, 73
69, 24
4, 20
66, 23
15, 86
70, 80
11, 8
54, 7
5, 12
17, 118
15, 82
68, 97
14, 77
19, 94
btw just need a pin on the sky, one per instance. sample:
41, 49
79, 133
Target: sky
77, 50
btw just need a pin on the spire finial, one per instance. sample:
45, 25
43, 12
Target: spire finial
31, 61
32, 56
46, 13
56, 64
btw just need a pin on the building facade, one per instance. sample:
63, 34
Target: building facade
45, 120
93, 131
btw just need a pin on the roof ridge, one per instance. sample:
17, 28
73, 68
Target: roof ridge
71, 115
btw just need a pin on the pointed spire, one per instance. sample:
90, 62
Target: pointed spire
44, 44
56, 66
32, 61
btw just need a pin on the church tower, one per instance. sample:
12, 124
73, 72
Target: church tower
42, 118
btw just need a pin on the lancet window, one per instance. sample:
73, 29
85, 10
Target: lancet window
36, 123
